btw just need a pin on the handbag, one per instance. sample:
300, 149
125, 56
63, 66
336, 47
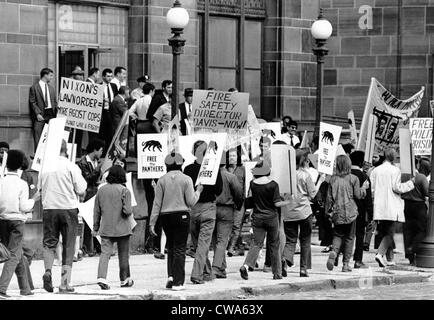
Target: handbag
5, 255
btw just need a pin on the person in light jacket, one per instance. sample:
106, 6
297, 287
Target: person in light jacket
111, 221
343, 189
174, 197
388, 206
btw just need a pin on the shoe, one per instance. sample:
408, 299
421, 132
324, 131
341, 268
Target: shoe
346, 268
28, 293
220, 276
360, 265
266, 269
331, 260
284, 272
251, 269
196, 281
67, 289
104, 286
244, 274
289, 264
159, 256
4, 295
366, 248
208, 278
304, 274
379, 259
277, 277
178, 288
48, 283
169, 283
390, 263
128, 284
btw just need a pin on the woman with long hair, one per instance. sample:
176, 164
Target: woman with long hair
344, 187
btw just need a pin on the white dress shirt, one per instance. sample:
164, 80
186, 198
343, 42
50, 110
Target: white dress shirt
107, 89
140, 107
287, 139
44, 85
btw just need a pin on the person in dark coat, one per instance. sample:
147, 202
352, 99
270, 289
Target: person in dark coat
119, 106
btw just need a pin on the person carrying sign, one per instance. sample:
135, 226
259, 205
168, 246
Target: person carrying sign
60, 192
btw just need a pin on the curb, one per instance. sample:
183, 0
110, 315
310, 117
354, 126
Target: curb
282, 288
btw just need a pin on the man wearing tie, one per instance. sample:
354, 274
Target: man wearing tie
290, 137
105, 131
43, 103
185, 110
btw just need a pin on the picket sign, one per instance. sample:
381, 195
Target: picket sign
406, 152
328, 145
211, 162
370, 139
152, 150
53, 145
283, 168
421, 135
353, 129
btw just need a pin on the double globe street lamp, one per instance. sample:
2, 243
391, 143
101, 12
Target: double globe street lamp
177, 18
321, 31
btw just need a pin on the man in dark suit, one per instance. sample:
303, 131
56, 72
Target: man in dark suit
105, 131
160, 98
119, 106
185, 109
90, 166
43, 103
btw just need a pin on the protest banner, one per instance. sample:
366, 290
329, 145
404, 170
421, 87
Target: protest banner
249, 165
211, 162
39, 154
283, 168
118, 146
391, 114
353, 129
151, 153
328, 145
421, 135
370, 139
53, 143
81, 103
406, 154
218, 110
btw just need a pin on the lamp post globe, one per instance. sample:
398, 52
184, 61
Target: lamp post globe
321, 31
177, 19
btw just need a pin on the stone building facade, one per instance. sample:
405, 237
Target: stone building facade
260, 46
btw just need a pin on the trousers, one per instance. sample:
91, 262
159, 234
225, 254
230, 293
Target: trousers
123, 244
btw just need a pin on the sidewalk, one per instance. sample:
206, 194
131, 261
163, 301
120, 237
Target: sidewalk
150, 277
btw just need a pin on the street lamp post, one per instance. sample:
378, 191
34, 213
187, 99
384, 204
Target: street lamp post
177, 19
321, 31
425, 252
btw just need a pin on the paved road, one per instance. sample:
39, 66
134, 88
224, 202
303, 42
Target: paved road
414, 291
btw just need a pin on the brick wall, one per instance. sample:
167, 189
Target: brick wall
23, 42
356, 55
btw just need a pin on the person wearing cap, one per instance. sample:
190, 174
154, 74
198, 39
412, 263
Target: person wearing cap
230, 199
174, 198
138, 93
264, 199
111, 220
185, 110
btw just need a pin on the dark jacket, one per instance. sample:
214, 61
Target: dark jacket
232, 192
37, 102
364, 206
91, 176
184, 116
112, 210
209, 193
117, 110
157, 101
